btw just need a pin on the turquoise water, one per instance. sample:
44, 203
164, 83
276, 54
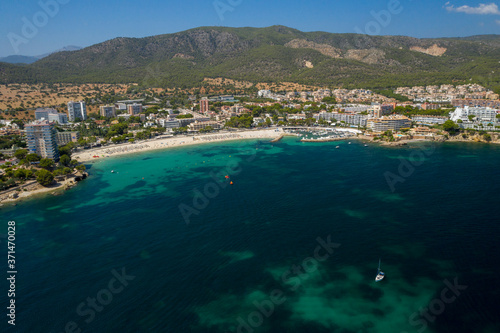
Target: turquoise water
247, 258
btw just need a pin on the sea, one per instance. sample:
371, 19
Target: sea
253, 236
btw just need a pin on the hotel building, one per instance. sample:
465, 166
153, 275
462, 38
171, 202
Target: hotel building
134, 109
42, 140
386, 123
204, 105
77, 111
63, 138
107, 111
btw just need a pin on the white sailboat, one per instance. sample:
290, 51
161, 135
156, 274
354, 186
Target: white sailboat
380, 275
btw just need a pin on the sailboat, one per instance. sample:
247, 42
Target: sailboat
380, 275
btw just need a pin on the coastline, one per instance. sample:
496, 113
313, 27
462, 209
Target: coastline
131, 148
274, 135
177, 141
36, 189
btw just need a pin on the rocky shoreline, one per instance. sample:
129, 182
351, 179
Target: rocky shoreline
31, 189
495, 139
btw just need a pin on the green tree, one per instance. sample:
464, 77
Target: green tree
82, 142
58, 172
23, 174
184, 116
33, 157
66, 149
20, 154
329, 100
487, 137
450, 127
65, 160
46, 163
44, 177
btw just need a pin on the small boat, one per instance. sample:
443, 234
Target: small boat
380, 275
112, 171
337, 147
366, 145
349, 143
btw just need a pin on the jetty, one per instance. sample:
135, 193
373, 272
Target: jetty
278, 138
323, 139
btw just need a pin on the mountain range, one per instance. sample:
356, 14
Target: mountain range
271, 54
23, 59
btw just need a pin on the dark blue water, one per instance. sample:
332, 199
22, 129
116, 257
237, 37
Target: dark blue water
247, 258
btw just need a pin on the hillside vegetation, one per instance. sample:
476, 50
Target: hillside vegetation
270, 54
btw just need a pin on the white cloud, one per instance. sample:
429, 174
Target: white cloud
482, 9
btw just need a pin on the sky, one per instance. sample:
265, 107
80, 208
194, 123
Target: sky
34, 27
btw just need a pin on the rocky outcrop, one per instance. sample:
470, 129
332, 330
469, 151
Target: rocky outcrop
434, 50
182, 56
325, 49
371, 56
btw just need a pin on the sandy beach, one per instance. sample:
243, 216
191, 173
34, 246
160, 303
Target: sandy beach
130, 148
176, 141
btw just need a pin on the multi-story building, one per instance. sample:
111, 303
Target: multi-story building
351, 118
64, 138
430, 106
60, 118
51, 115
356, 108
428, 120
204, 105
198, 125
42, 140
107, 111
183, 122
379, 110
121, 106
168, 123
385, 123
43, 113
476, 102
478, 113
348, 118
77, 111
134, 109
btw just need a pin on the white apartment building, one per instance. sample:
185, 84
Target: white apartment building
77, 111
480, 113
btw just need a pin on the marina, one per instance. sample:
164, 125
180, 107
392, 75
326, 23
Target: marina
321, 134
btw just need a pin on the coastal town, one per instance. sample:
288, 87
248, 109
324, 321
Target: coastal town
48, 148
236, 166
